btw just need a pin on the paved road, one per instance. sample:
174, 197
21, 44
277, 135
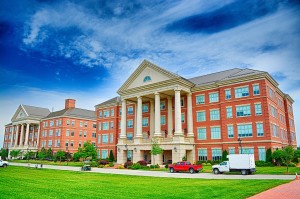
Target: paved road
164, 174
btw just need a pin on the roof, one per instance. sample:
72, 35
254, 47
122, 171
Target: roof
224, 75
114, 100
34, 111
74, 112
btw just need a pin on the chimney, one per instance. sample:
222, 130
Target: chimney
70, 103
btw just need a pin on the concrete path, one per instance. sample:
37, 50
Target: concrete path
165, 174
286, 191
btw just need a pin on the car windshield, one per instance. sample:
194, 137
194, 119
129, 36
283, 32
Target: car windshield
223, 163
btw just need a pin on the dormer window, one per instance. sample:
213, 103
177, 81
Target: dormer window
147, 79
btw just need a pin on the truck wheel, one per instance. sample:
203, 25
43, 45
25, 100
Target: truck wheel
244, 172
172, 170
191, 170
4, 165
216, 171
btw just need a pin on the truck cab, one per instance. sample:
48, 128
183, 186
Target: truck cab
224, 167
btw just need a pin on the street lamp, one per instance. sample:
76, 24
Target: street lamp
67, 156
240, 143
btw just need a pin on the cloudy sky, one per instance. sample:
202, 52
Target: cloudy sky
51, 50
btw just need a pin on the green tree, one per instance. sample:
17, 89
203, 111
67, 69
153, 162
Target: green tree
42, 154
155, 149
277, 156
88, 150
4, 153
77, 156
269, 155
224, 155
15, 153
49, 153
296, 156
287, 155
60, 154
111, 156
29, 155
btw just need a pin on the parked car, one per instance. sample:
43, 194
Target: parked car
3, 163
185, 166
243, 163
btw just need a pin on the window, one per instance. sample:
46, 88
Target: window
202, 154
59, 122
56, 122
246, 151
271, 93
230, 131
228, 94
100, 114
229, 112
272, 110
258, 109
72, 133
104, 154
104, 138
112, 112
242, 111
58, 143
120, 111
231, 151
67, 143
130, 110
81, 124
201, 116
213, 97
112, 125
99, 126
244, 130
241, 92
80, 133
259, 129
201, 133
85, 124
216, 154
214, 114
85, 134
94, 125
215, 132
129, 136
50, 133
57, 132
67, 132
274, 129
68, 122
145, 122
129, 123
262, 154
106, 113
182, 118
256, 89
93, 135
49, 143
162, 105
145, 108
200, 99
105, 125
291, 122
51, 123
163, 120
71, 144
147, 79
111, 138
99, 139
182, 102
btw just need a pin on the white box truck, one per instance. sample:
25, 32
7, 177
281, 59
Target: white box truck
243, 163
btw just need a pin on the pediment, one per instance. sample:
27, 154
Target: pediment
147, 73
20, 113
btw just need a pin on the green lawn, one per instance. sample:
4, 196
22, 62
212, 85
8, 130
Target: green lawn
76, 164
266, 170
21, 182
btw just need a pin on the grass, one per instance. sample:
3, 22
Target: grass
21, 182
278, 170
76, 164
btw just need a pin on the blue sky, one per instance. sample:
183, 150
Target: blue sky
57, 49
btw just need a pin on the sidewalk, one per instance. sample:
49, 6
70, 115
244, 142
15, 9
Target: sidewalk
286, 191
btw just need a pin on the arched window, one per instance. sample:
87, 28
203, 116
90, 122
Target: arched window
147, 79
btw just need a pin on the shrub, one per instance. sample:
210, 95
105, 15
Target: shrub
111, 156
128, 164
142, 162
268, 155
106, 166
260, 163
103, 162
292, 165
120, 167
154, 166
166, 166
94, 164
209, 161
100, 166
111, 164
224, 155
136, 166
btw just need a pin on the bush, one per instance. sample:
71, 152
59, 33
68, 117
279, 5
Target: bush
111, 156
100, 166
269, 155
292, 165
154, 166
103, 162
166, 166
94, 164
76, 156
106, 166
120, 167
128, 164
260, 163
142, 162
136, 166
111, 164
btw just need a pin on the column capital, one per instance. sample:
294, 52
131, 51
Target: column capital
177, 89
189, 94
156, 93
169, 97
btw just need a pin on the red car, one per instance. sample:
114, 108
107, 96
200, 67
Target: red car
185, 166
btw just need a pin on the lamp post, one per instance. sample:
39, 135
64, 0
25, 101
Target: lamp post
240, 143
126, 152
67, 155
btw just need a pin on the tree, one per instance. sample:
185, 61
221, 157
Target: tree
287, 155
156, 150
77, 156
49, 153
29, 154
4, 153
224, 155
111, 156
296, 156
88, 150
269, 155
42, 154
15, 153
60, 154
277, 156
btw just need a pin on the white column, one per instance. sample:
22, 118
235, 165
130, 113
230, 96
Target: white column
17, 135
170, 117
22, 135
152, 118
178, 126
38, 137
190, 116
157, 131
139, 133
123, 120
27, 134
12, 136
